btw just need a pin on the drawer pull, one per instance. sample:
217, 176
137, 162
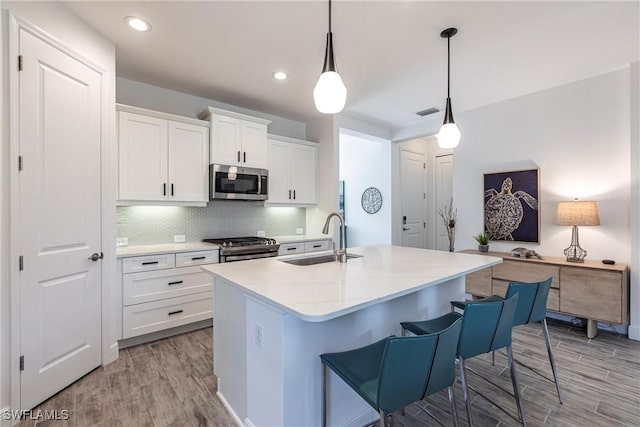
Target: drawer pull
176, 283
171, 313
150, 262
317, 246
292, 249
196, 258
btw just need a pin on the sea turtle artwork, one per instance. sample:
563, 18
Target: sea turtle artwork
504, 210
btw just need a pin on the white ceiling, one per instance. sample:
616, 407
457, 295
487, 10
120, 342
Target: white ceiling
389, 53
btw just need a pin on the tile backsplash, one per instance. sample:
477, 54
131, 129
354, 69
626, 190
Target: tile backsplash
147, 225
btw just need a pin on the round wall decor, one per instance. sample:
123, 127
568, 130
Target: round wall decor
371, 200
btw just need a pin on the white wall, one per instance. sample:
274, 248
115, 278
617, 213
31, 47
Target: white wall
59, 22
143, 95
365, 162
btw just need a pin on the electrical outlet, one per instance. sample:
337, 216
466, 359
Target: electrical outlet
179, 238
260, 233
122, 241
259, 338
299, 230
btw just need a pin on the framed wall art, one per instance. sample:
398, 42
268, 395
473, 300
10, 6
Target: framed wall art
511, 206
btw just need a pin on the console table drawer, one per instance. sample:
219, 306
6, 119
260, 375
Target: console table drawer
499, 287
517, 271
593, 294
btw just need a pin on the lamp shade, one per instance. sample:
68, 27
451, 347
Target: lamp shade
577, 213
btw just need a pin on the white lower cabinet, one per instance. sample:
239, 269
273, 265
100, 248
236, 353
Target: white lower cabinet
304, 247
157, 296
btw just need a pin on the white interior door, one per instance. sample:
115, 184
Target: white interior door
412, 177
444, 191
59, 219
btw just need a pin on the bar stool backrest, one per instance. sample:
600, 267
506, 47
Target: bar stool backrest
486, 326
532, 301
410, 362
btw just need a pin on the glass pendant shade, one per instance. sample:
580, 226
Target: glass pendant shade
449, 135
330, 93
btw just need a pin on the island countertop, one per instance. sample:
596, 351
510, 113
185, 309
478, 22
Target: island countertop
321, 292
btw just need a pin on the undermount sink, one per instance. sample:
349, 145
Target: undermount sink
315, 259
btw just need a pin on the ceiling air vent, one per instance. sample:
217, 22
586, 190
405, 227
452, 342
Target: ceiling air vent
428, 111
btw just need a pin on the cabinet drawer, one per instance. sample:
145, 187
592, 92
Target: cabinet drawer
519, 271
291, 248
149, 286
479, 283
591, 293
150, 317
553, 299
185, 259
148, 263
320, 245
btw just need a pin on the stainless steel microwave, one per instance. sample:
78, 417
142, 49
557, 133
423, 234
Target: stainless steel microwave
237, 183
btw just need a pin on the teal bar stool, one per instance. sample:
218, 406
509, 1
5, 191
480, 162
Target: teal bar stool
486, 327
397, 371
531, 308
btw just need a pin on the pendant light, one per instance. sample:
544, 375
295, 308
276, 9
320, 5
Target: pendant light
330, 94
449, 135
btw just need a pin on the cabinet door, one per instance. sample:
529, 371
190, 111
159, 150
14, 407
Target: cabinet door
226, 140
278, 166
188, 162
142, 145
303, 170
590, 293
254, 145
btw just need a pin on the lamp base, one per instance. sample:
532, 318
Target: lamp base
574, 252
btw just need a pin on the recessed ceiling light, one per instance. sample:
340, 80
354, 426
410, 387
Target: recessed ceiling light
279, 75
137, 24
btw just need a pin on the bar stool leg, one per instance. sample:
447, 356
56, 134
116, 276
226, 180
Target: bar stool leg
324, 395
514, 381
465, 391
452, 401
551, 360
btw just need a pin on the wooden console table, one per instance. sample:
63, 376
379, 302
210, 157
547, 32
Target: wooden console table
591, 290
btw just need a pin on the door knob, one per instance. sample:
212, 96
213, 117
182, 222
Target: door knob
95, 256
405, 228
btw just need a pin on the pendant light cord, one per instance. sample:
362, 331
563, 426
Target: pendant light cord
329, 15
448, 64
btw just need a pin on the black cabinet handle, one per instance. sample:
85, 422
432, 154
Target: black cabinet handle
245, 157
164, 189
176, 283
172, 189
171, 313
317, 246
238, 156
289, 194
196, 258
292, 249
150, 262
294, 194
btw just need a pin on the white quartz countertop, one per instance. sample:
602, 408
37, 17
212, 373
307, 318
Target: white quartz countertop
320, 292
296, 238
126, 251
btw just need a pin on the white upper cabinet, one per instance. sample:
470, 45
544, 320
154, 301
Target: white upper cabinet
293, 171
237, 139
162, 158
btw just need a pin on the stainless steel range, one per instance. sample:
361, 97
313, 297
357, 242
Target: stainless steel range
242, 248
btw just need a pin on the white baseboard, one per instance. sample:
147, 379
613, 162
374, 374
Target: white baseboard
229, 409
634, 333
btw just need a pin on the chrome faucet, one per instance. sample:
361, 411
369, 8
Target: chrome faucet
340, 254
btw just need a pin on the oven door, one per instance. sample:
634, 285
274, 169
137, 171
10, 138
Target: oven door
237, 183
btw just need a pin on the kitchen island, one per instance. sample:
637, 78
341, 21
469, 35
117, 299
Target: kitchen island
272, 320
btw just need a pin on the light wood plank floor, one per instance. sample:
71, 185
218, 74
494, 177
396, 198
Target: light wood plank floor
170, 383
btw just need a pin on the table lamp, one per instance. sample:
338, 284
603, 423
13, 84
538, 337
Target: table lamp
577, 213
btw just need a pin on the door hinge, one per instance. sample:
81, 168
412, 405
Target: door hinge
21, 262
424, 225
20, 163
424, 166
22, 363
424, 195
19, 62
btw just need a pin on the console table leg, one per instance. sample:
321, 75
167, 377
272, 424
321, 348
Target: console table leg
592, 328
